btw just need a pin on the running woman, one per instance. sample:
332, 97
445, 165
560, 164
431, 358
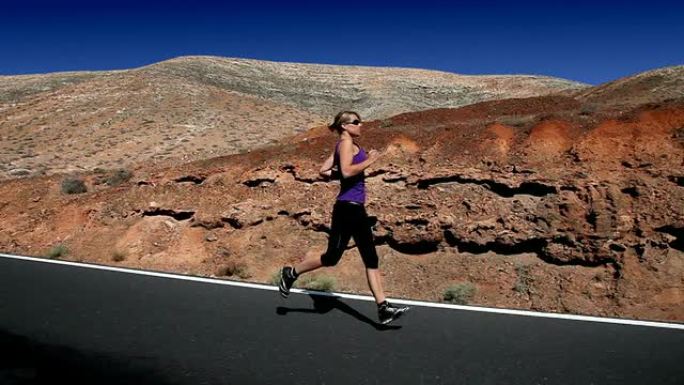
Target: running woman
349, 218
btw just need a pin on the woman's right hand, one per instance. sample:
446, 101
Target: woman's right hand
374, 155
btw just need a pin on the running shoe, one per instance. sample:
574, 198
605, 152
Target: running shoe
287, 279
388, 312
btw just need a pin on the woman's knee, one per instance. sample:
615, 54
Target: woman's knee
330, 259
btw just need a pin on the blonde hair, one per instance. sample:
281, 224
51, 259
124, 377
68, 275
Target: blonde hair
341, 118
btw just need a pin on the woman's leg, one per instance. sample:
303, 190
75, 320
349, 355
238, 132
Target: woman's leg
375, 284
386, 311
363, 237
340, 234
337, 242
310, 263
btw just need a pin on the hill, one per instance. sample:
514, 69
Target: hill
192, 108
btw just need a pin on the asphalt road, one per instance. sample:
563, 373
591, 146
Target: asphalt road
79, 325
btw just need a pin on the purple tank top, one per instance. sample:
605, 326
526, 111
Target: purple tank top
352, 189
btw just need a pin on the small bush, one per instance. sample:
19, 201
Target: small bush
58, 251
386, 123
118, 256
238, 269
318, 282
516, 121
460, 293
275, 278
522, 284
119, 176
73, 186
588, 109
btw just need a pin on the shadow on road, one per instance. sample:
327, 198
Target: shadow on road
323, 304
24, 361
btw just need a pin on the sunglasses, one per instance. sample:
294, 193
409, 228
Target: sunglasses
355, 122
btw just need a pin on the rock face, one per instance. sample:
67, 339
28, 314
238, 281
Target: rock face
548, 203
194, 108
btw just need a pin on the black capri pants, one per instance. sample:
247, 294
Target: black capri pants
350, 220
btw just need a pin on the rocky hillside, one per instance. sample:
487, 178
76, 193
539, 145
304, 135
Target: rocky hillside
375, 92
555, 203
538, 203
654, 86
197, 107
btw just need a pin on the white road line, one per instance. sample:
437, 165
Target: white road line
355, 296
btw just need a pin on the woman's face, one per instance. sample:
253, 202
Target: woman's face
353, 127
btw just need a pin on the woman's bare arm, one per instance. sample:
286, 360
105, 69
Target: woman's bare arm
326, 168
347, 155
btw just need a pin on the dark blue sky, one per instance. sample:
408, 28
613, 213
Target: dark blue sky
576, 40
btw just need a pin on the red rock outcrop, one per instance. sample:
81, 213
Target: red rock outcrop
539, 202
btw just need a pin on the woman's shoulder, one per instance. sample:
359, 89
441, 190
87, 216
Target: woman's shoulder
348, 143
344, 142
